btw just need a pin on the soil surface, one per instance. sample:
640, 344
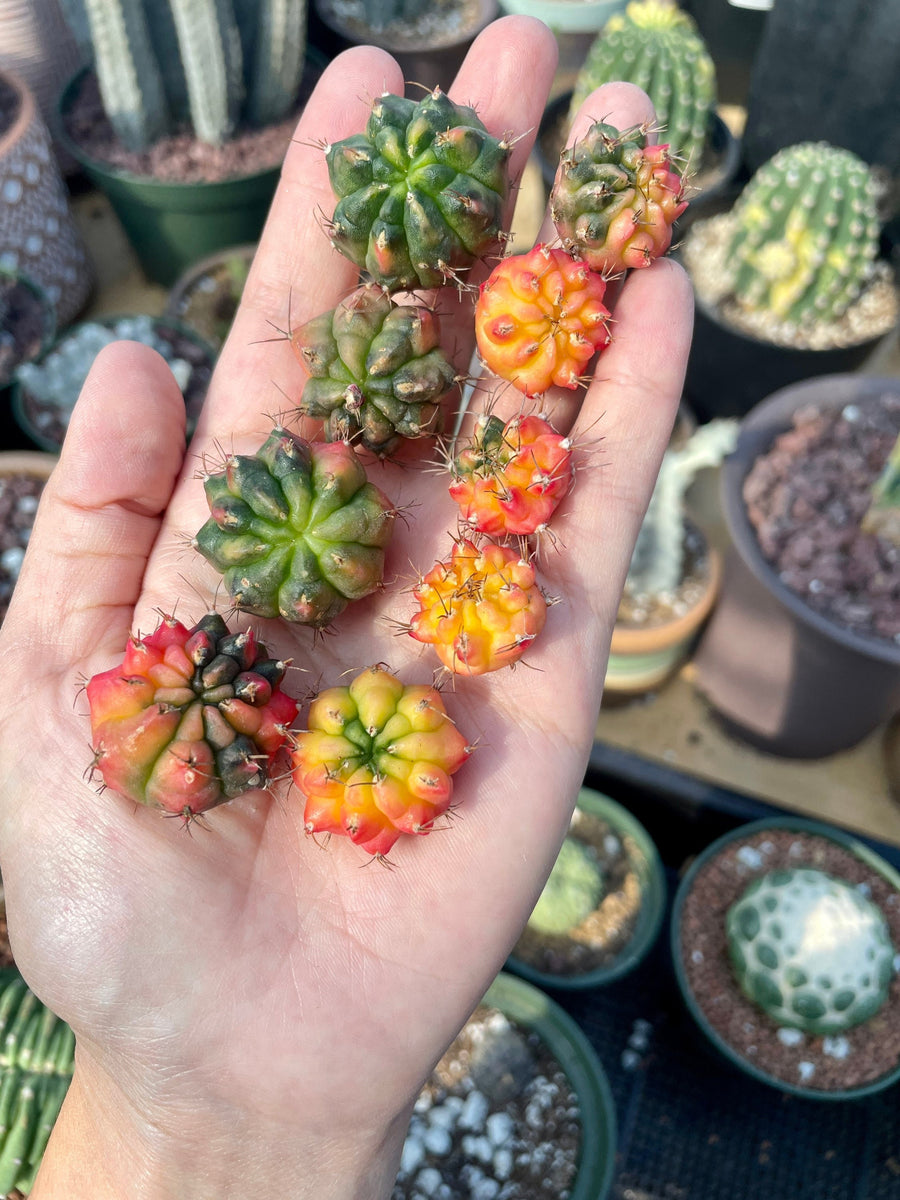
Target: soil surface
498, 1120
24, 322
182, 158
19, 495
602, 936
646, 610
806, 498
210, 301
857, 1057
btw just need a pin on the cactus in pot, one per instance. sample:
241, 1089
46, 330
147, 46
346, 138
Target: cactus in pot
883, 515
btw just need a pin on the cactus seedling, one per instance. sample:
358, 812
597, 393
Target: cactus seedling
572, 891
540, 318
377, 371
420, 193
376, 759
810, 950
191, 717
297, 529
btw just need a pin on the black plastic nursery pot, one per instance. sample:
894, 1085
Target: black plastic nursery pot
781, 675
873, 861
645, 862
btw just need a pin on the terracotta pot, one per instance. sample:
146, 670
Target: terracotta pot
781, 675
37, 233
642, 659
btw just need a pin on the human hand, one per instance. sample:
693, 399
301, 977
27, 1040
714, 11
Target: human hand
252, 1009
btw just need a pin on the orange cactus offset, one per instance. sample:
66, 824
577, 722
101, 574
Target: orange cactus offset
512, 477
376, 759
540, 318
481, 610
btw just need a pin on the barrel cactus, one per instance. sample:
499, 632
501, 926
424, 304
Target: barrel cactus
811, 950
656, 46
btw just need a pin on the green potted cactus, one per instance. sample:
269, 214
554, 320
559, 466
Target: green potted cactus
788, 280
169, 78
674, 576
784, 940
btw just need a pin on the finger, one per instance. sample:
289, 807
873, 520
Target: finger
101, 509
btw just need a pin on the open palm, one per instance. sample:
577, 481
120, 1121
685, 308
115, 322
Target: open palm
250, 1006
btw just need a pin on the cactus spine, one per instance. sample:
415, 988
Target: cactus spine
656, 46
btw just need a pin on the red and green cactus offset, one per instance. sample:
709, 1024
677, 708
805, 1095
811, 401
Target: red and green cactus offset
377, 371
481, 609
511, 478
297, 529
615, 199
190, 718
540, 318
420, 193
376, 759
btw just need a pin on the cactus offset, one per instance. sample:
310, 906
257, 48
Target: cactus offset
420, 193
481, 610
377, 371
656, 46
540, 318
376, 759
615, 199
512, 477
297, 529
191, 717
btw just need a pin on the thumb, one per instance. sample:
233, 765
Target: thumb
100, 511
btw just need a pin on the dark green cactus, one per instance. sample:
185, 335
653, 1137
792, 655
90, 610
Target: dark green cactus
656, 46
36, 1064
296, 529
377, 371
805, 234
420, 193
213, 62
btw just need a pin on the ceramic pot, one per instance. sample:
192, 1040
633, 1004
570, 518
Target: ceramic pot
682, 947
37, 233
779, 674
644, 862
196, 299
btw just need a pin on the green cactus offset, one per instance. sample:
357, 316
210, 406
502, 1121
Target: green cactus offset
883, 515
36, 1064
572, 891
811, 950
162, 64
656, 46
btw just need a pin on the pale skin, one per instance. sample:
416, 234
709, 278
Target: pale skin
255, 1011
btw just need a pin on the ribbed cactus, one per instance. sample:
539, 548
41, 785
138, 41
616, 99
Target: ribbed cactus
805, 234
161, 63
37, 1058
658, 47
883, 515
656, 565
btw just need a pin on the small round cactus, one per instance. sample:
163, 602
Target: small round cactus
810, 950
572, 891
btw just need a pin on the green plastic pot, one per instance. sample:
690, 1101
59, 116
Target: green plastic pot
799, 825
531, 1009
654, 894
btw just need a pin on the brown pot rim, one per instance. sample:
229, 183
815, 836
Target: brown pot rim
662, 637
27, 110
27, 462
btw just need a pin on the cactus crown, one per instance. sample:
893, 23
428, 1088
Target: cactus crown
658, 47
805, 234
810, 950
572, 891
163, 63
656, 565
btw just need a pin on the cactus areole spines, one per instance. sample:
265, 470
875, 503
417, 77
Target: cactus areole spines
191, 717
377, 371
296, 529
420, 193
375, 760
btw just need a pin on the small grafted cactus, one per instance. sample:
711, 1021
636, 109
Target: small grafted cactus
656, 46
36, 1064
811, 950
805, 234
420, 193
297, 529
377, 371
572, 891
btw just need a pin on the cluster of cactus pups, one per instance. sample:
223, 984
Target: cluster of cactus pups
195, 716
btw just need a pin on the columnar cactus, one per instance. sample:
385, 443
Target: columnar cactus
420, 192
811, 950
656, 46
805, 234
